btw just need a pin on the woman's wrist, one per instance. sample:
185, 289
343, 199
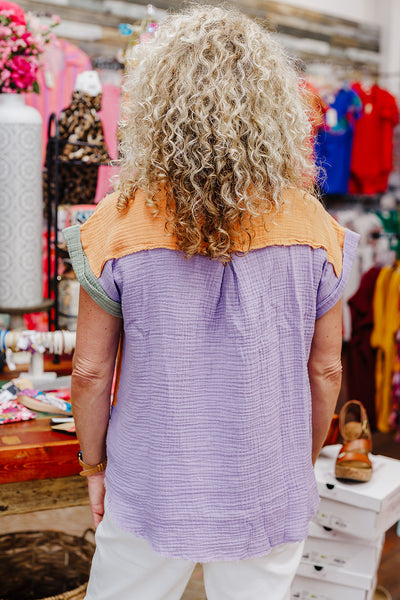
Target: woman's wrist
89, 469
94, 475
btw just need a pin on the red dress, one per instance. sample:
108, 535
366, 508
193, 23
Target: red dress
372, 155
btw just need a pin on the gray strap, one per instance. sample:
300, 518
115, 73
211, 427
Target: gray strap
84, 273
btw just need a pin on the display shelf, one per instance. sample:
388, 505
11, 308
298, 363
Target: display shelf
17, 314
62, 369
53, 163
44, 306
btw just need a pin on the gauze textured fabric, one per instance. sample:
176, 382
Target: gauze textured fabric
209, 441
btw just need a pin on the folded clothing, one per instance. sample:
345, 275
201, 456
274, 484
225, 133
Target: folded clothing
12, 411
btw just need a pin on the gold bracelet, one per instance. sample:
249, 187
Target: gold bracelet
91, 469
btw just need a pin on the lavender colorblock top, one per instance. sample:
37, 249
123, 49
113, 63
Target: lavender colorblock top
209, 443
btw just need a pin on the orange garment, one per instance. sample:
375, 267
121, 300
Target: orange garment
317, 106
301, 220
386, 325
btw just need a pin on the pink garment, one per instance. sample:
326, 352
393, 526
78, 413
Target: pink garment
109, 116
63, 61
12, 411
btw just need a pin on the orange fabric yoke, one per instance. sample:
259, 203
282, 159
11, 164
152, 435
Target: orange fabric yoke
302, 220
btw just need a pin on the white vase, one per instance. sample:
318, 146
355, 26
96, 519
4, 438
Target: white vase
21, 203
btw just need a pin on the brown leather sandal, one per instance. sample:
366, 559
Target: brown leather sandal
353, 461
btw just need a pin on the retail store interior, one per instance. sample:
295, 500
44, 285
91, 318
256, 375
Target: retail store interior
58, 147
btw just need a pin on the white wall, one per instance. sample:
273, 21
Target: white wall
388, 15
384, 13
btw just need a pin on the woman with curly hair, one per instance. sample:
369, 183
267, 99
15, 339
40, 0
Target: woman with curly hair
214, 279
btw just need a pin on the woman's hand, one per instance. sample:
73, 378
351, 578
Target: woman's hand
96, 496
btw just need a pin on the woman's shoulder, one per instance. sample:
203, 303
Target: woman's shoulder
112, 233
304, 212
302, 220
301, 201
300, 215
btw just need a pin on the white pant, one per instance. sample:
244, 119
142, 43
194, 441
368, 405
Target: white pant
125, 567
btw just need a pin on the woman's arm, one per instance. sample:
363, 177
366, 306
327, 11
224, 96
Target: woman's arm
97, 340
325, 372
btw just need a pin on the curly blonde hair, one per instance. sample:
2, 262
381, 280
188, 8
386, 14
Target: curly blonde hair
215, 122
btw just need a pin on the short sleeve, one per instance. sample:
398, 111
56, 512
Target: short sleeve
331, 286
390, 110
107, 281
102, 289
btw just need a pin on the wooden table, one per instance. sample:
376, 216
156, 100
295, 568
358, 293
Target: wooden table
38, 468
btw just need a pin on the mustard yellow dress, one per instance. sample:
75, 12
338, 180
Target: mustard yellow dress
386, 325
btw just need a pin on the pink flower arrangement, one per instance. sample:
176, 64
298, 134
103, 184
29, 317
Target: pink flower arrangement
22, 41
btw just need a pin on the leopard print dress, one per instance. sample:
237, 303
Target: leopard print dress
82, 149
